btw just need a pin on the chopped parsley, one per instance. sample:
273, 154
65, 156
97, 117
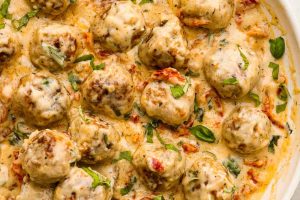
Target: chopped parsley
277, 47
232, 166
255, 98
230, 81
129, 186
275, 71
245, 59
178, 90
273, 143
23, 21
203, 133
289, 129
281, 107
283, 93
124, 155
98, 179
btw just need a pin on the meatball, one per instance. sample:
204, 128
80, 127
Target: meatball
210, 14
232, 70
110, 90
34, 191
79, 184
207, 179
52, 7
8, 44
46, 156
96, 140
120, 28
41, 99
159, 167
158, 101
54, 47
246, 130
165, 46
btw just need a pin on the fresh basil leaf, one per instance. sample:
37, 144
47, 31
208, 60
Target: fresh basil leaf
54, 53
273, 143
277, 47
23, 21
245, 59
178, 90
74, 81
283, 93
91, 58
129, 186
98, 179
167, 146
98, 67
203, 133
4, 9
275, 71
82, 115
230, 81
17, 136
124, 155
255, 98
145, 1
232, 166
84, 58
281, 107
159, 197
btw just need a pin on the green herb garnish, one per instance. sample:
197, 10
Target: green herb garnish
167, 146
54, 53
277, 47
124, 155
245, 59
91, 58
230, 81
283, 93
159, 197
275, 71
281, 107
82, 115
150, 128
232, 166
17, 136
145, 1
203, 133
129, 186
23, 21
98, 179
74, 81
255, 98
178, 90
273, 143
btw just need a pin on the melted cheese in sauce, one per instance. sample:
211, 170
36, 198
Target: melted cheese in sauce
257, 169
